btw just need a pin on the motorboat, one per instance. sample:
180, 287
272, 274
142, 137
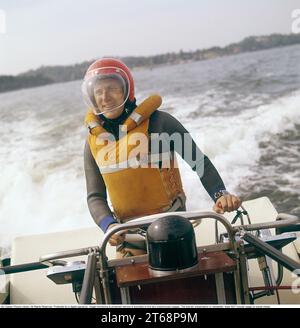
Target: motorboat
250, 256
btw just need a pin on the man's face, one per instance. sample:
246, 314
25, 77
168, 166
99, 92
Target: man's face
109, 95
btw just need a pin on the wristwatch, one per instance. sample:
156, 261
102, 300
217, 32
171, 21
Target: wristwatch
220, 193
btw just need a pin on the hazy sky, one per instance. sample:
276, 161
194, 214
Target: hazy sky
61, 32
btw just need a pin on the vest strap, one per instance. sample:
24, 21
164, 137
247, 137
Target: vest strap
136, 117
92, 124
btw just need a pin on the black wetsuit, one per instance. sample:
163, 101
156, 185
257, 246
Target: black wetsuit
159, 122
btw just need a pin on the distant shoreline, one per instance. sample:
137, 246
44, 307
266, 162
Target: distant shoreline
55, 74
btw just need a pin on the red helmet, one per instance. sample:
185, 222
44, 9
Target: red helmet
112, 64
107, 68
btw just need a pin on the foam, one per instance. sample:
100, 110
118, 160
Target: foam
232, 142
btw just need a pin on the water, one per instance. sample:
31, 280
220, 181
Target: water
243, 112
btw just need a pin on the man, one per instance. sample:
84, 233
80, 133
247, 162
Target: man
130, 152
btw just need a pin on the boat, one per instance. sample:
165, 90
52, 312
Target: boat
251, 256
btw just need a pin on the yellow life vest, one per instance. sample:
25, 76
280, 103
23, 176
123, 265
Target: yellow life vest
135, 183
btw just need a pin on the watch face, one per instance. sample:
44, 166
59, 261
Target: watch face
218, 194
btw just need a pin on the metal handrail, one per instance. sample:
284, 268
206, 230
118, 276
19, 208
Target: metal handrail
146, 221
46, 259
282, 220
287, 218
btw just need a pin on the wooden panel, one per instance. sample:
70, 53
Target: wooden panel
193, 290
139, 274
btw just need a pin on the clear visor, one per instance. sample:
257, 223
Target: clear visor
105, 89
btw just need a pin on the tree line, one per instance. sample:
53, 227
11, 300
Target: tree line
55, 74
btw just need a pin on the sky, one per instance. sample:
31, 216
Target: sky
65, 32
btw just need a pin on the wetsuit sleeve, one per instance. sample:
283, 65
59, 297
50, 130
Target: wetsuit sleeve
189, 151
96, 192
